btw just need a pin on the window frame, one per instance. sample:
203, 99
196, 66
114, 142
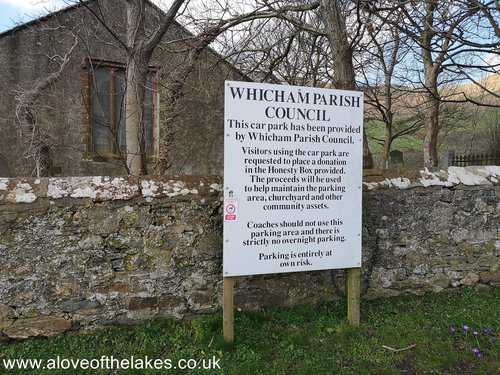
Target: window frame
87, 74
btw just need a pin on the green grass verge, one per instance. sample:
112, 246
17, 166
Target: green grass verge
307, 340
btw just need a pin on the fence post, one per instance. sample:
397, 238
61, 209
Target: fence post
450, 158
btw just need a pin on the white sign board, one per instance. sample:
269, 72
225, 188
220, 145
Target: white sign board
292, 178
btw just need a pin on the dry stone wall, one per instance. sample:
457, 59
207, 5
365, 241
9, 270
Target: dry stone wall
91, 251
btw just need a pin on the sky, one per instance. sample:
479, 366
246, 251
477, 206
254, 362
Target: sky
13, 12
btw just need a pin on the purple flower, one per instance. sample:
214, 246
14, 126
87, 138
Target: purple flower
477, 352
453, 329
475, 333
465, 327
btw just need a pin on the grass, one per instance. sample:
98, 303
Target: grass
308, 340
376, 129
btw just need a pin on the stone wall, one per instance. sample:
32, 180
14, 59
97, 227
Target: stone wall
90, 251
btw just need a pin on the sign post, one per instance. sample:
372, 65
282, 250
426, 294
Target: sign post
353, 288
228, 310
292, 184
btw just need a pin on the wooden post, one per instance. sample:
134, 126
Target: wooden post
353, 295
228, 310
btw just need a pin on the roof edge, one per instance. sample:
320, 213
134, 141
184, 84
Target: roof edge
80, 4
45, 17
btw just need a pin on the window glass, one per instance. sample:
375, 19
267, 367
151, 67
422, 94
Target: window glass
101, 119
120, 108
108, 110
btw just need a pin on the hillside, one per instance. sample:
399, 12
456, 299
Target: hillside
480, 91
491, 82
466, 128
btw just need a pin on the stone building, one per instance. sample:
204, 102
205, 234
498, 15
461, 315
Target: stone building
80, 114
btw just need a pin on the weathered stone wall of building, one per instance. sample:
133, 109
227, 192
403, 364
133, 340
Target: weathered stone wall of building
90, 251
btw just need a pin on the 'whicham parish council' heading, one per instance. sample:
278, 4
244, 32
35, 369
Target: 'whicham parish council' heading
282, 96
300, 97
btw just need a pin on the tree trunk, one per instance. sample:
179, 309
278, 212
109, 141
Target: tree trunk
431, 111
343, 75
335, 25
139, 51
367, 154
387, 145
134, 114
137, 68
431, 71
431, 118
388, 117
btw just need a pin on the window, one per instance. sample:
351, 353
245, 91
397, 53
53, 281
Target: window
106, 102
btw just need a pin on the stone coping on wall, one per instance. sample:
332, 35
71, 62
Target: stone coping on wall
453, 176
103, 188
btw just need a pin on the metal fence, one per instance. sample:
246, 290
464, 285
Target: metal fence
474, 159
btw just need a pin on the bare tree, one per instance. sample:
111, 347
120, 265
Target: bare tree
477, 56
380, 64
386, 49
331, 33
279, 52
439, 31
